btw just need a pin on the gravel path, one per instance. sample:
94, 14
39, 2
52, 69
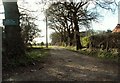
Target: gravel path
64, 65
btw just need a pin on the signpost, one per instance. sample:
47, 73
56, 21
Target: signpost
10, 20
14, 45
14, 22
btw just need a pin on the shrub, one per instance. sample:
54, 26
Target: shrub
85, 41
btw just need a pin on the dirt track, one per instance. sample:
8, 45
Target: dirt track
68, 66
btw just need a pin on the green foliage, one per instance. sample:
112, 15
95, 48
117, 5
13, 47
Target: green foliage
56, 39
63, 44
108, 55
106, 40
71, 48
85, 41
42, 44
98, 53
65, 18
113, 55
37, 55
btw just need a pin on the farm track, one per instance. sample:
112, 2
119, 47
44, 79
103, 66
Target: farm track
64, 65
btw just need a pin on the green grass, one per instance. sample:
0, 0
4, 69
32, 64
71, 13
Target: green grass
37, 54
71, 48
102, 54
33, 55
98, 53
38, 46
43, 47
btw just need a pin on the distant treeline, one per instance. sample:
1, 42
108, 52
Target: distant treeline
103, 40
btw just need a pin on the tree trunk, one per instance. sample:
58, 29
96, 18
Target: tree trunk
61, 38
69, 37
78, 43
14, 43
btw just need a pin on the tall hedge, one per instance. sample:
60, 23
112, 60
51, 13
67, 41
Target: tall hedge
105, 41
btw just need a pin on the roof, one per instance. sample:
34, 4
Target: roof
117, 29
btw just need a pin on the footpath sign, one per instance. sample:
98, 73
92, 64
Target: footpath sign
14, 22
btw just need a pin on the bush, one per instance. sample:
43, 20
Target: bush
42, 44
85, 41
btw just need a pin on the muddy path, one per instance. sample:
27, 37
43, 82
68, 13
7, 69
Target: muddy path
64, 65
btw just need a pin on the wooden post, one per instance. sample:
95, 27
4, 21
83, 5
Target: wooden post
0, 54
46, 34
15, 45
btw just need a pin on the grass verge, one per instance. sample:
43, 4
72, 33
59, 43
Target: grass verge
98, 53
32, 56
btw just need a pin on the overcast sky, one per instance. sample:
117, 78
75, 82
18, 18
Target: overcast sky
109, 21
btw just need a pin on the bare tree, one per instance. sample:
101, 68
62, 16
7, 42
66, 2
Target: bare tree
29, 29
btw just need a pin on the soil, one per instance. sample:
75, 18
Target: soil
65, 65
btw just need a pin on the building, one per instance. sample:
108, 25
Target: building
117, 29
